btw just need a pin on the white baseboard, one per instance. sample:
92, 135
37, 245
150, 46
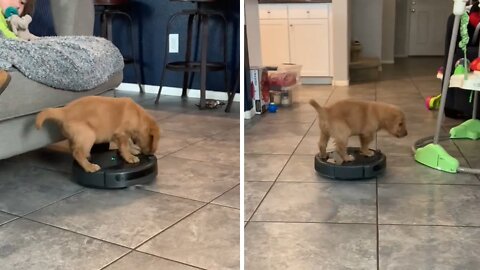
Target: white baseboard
341, 83
401, 55
388, 61
176, 91
316, 80
249, 114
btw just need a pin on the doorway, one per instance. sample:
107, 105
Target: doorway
426, 24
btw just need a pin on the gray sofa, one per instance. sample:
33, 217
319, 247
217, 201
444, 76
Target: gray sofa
24, 98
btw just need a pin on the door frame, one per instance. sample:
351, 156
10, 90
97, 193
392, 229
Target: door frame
407, 33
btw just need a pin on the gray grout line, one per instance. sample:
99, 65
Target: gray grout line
7, 213
312, 222
166, 194
430, 184
377, 232
190, 199
186, 264
74, 232
464, 157
366, 223
226, 206
160, 257
349, 182
195, 211
430, 225
81, 190
283, 168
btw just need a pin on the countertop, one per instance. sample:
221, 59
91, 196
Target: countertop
292, 1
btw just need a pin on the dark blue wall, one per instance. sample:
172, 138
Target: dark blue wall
42, 23
150, 19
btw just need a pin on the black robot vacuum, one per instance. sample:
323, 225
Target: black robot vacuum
362, 167
115, 172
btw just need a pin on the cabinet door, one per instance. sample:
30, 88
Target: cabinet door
309, 46
274, 42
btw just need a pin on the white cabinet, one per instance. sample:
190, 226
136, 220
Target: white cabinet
309, 46
297, 33
275, 43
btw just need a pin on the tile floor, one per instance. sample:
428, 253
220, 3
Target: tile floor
187, 219
413, 217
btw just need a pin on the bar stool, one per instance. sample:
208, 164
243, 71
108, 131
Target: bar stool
110, 8
190, 65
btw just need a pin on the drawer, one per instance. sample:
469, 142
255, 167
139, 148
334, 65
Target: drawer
272, 11
308, 11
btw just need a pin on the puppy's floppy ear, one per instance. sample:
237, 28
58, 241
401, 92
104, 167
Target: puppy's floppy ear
154, 136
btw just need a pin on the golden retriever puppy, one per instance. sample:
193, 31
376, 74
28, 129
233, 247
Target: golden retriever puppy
348, 118
94, 119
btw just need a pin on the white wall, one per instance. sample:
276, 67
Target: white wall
388, 31
401, 32
367, 26
253, 32
341, 41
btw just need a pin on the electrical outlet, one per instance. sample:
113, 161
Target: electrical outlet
173, 43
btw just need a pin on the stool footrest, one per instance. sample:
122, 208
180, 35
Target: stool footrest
195, 66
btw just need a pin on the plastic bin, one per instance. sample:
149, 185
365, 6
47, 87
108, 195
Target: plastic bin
285, 95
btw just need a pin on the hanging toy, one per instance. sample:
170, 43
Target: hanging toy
9, 11
463, 44
460, 66
4, 30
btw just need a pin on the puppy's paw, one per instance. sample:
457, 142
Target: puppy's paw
91, 168
135, 150
367, 153
132, 159
348, 158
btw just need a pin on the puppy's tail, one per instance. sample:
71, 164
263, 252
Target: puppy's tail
55, 114
321, 111
316, 105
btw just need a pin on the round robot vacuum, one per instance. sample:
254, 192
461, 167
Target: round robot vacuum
115, 172
362, 167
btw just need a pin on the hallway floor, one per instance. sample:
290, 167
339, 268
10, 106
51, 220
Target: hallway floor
188, 218
412, 217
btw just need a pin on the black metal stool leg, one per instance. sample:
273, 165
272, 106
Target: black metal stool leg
188, 51
134, 52
203, 60
165, 55
103, 23
135, 56
231, 93
195, 55
108, 26
161, 85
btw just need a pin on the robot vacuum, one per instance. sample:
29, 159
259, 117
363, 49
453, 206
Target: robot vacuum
362, 167
115, 172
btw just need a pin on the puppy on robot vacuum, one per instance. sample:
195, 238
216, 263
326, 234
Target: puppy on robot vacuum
94, 119
347, 118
